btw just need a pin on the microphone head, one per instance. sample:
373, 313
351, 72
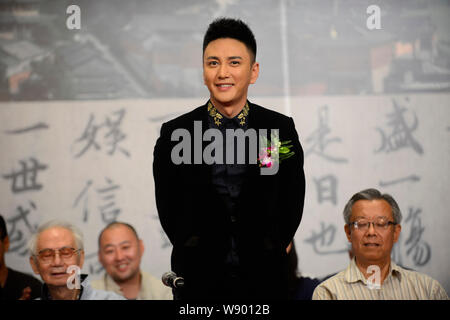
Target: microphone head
168, 277
178, 282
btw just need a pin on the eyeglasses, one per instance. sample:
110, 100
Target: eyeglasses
379, 224
47, 255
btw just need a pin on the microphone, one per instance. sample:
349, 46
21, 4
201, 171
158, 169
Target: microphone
171, 280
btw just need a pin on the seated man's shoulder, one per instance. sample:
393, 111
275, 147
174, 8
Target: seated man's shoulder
334, 278
424, 283
326, 289
17, 281
154, 288
414, 276
96, 294
21, 276
107, 295
91, 293
98, 284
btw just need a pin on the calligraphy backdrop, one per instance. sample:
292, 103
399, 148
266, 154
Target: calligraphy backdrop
91, 163
370, 100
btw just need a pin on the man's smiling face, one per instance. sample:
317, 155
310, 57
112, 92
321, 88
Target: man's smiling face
120, 253
228, 70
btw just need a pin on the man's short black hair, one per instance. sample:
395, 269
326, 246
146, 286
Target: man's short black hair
231, 28
3, 230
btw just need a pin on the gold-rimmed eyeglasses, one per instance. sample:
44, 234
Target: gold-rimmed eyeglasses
47, 255
379, 224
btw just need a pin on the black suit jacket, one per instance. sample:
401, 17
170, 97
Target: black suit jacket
191, 213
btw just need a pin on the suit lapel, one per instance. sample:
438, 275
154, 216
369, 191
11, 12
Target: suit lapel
255, 122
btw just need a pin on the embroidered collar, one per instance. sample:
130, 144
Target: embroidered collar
217, 116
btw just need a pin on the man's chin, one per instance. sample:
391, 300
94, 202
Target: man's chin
223, 99
120, 278
57, 282
373, 257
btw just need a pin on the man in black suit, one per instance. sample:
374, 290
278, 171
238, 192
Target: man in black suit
229, 221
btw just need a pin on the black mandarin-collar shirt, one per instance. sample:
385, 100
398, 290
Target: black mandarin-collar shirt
227, 179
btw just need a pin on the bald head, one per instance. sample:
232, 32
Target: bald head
116, 224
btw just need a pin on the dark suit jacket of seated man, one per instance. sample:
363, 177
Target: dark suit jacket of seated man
229, 224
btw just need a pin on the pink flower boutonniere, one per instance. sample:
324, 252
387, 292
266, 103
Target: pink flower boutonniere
274, 152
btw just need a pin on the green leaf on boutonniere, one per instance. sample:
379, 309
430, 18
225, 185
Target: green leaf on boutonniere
284, 149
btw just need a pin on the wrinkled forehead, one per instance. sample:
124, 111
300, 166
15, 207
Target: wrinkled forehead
56, 237
371, 209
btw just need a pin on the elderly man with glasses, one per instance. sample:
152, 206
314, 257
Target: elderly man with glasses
372, 227
57, 255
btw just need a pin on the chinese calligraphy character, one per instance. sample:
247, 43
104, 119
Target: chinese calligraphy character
326, 189
318, 139
112, 135
323, 240
17, 233
26, 178
401, 134
85, 197
105, 196
412, 178
420, 250
396, 253
37, 126
108, 210
89, 135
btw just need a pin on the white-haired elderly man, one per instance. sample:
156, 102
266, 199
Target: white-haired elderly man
57, 255
372, 226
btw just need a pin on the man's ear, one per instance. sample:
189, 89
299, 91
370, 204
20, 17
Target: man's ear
81, 259
6, 243
348, 232
397, 230
255, 72
100, 257
34, 265
141, 247
203, 70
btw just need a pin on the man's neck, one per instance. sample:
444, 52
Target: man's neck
384, 266
229, 110
63, 293
3, 275
130, 288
